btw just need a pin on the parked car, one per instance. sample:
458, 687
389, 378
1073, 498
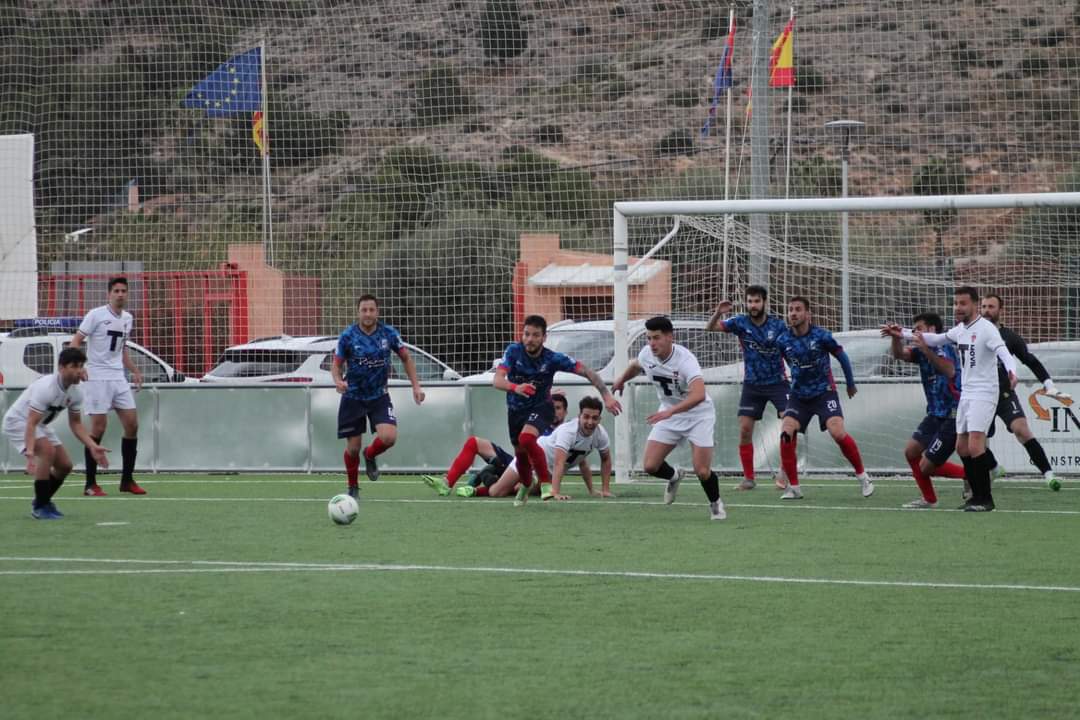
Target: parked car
307, 360
27, 353
593, 343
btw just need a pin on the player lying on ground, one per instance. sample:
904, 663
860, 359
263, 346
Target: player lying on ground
686, 412
928, 450
570, 443
496, 458
27, 427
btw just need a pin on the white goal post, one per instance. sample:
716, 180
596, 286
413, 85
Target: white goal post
624, 273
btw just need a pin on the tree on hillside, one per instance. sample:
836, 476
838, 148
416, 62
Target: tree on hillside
502, 34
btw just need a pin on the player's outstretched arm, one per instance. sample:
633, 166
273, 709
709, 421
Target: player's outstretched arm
605, 474
931, 339
716, 322
586, 475
557, 475
695, 395
896, 345
610, 402
80, 432
1019, 349
632, 371
410, 370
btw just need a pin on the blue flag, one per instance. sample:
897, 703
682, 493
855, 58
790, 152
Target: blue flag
723, 78
235, 88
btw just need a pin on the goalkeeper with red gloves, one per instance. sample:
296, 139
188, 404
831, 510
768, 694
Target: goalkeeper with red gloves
526, 374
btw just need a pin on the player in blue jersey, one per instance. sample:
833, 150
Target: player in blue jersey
364, 350
807, 349
764, 380
526, 373
929, 448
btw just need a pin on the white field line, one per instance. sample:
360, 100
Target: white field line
197, 566
495, 503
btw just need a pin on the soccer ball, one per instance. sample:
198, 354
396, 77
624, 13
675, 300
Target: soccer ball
343, 509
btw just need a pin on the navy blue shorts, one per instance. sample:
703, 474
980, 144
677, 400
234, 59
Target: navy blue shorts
353, 413
937, 435
502, 457
754, 398
825, 406
541, 417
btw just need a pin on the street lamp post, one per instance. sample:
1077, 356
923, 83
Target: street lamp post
845, 128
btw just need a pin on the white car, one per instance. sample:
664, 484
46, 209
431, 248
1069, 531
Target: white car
593, 343
307, 360
27, 353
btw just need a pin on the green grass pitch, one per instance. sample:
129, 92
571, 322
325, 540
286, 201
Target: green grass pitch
236, 597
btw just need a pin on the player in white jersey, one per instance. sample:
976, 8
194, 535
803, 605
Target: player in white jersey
570, 443
105, 331
686, 411
980, 347
27, 427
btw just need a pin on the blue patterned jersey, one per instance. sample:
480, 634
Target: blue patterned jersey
762, 356
367, 359
808, 356
540, 371
942, 393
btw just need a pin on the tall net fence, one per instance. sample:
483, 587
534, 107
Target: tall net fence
459, 158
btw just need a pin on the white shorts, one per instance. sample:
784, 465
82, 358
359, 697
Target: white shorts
974, 415
15, 432
101, 396
697, 428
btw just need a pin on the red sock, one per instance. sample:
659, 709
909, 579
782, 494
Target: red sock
926, 485
949, 470
481, 491
789, 461
746, 455
462, 462
352, 467
851, 452
377, 447
537, 458
524, 466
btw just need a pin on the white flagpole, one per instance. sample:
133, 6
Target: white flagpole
787, 166
727, 164
268, 222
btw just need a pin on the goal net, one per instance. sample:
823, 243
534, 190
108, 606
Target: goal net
898, 264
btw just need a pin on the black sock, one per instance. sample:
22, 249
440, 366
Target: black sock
91, 464
54, 484
664, 472
128, 451
711, 485
969, 471
991, 459
1037, 454
980, 480
42, 492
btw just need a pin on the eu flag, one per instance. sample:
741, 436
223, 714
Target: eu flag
722, 81
235, 88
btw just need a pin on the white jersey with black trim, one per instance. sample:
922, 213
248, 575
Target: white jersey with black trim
673, 376
978, 345
106, 337
569, 438
48, 397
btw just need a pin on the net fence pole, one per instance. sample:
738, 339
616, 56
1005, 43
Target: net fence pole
759, 142
622, 313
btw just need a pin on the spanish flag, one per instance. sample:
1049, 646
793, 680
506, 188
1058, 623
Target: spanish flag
258, 133
782, 59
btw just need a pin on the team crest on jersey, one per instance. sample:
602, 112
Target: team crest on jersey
384, 344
